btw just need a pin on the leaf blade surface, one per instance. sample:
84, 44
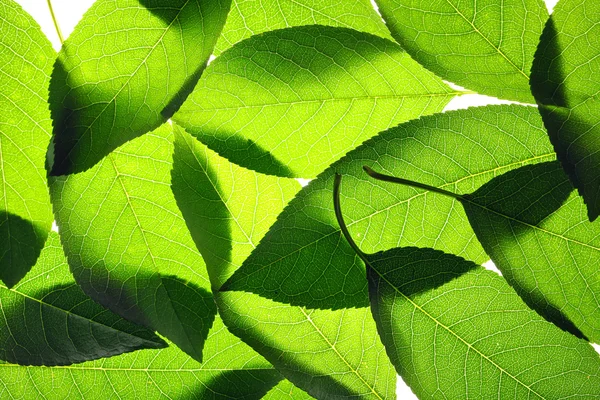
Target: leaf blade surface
26, 58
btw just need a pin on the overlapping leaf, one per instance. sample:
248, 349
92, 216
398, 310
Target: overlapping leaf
535, 230
231, 370
26, 59
126, 68
488, 344
486, 46
128, 245
303, 260
47, 320
285, 390
330, 354
290, 102
251, 17
563, 81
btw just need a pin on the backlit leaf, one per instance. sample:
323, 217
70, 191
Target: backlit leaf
26, 59
303, 260
534, 227
251, 17
485, 45
488, 344
128, 245
125, 70
454, 330
564, 83
329, 354
231, 370
47, 320
291, 102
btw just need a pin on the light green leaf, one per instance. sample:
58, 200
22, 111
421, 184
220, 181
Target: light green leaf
229, 209
487, 344
485, 45
128, 245
231, 370
303, 260
563, 81
26, 59
47, 320
125, 70
291, 102
251, 17
535, 229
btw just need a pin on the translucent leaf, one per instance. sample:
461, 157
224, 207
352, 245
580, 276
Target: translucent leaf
251, 17
125, 70
47, 320
230, 370
535, 229
26, 59
229, 209
285, 390
303, 260
291, 102
486, 46
563, 81
128, 245
488, 344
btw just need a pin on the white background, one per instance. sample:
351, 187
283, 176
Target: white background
69, 12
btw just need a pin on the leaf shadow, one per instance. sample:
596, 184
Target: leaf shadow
237, 384
21, 242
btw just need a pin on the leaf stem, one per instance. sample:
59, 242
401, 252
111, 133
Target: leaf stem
340, 218
58, 31
401, 181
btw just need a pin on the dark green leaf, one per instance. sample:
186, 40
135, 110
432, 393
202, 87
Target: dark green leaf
303, 260
128, 245
291, 102
231, 370
26, 59
565, 85
486, 46
535, 229
251, 17
47, 320
229, 209
125, 70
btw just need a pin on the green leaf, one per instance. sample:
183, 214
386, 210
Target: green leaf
125, 70
487, 46
303, 260
231, 370
47, 320
291, 102
229, 209
488, 344
128, 245
535, 230
26, 59
564, 85
251, 17
285, 390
